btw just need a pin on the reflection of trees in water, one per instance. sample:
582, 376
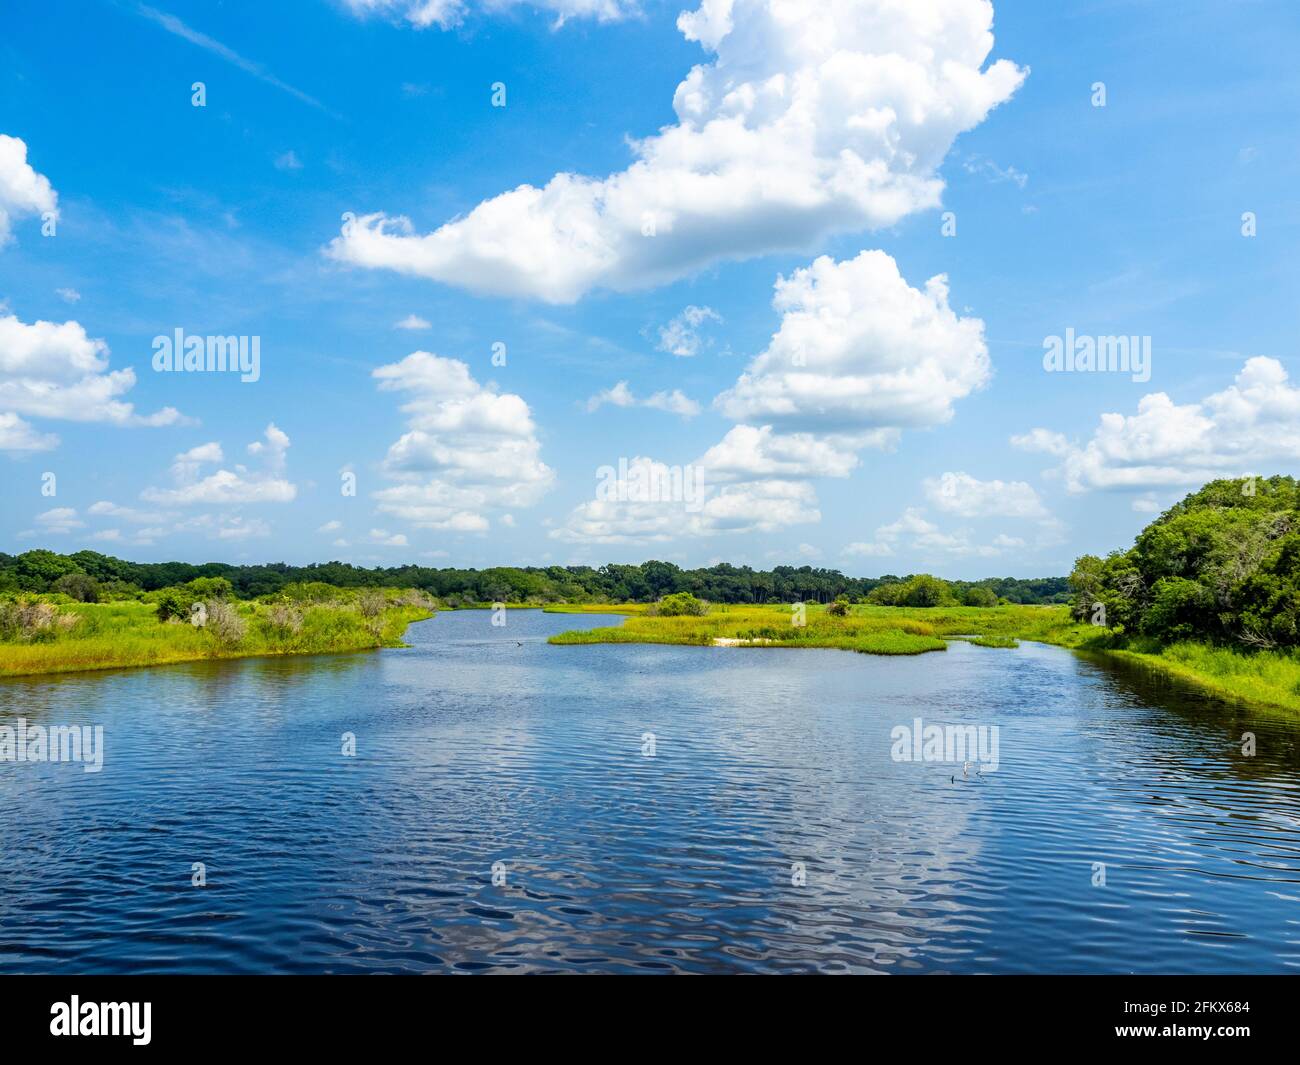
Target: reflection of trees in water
1187, 729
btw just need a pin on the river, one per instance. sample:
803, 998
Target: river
517, 807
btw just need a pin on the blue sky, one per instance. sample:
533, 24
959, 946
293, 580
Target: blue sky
869, 422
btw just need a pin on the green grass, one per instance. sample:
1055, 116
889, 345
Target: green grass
870, 629
108, 635
995, 641
1269, 679
767, 626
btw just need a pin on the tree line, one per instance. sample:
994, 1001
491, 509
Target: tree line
45, 571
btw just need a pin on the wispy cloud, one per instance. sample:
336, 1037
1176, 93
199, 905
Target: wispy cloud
174, 25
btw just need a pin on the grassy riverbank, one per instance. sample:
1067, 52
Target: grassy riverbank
1266, 679
50, 634
44, 636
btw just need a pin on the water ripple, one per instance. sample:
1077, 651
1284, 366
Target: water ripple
480, 749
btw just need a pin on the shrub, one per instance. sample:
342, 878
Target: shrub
371, 603
210, 588
922, 590
224, 624
33, 621
312, 592
173, 603
838, 609
681, 604
979, 595
79, 586
285, 619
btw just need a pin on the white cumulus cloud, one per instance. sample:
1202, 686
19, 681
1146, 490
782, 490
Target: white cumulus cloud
229, 486
59, 520
809, 119
913, 535
18, 435
962, 494
859, 357
468, 448
55, 370
22, 190
858, 350
625, 513
1252, 426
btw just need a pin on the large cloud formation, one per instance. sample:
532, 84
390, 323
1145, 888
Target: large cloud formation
810, 119
22, 190
859, 356
1253, 426
468, 448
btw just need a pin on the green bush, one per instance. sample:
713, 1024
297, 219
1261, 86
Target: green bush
922, 590
173, 604
979, 595
681, 604
210, 588
79, 586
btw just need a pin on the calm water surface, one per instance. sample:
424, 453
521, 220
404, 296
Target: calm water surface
480, 745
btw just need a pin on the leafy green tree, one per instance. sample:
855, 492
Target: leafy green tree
1222, 565
79, 586
35, 571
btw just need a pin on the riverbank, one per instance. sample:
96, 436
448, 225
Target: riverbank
1262, 679
72, 637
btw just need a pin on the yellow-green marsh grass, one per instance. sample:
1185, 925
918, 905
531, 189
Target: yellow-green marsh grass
865, 629
84, 636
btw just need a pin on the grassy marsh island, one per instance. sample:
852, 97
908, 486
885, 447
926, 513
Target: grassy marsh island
1262, 678
865, 628
56, 634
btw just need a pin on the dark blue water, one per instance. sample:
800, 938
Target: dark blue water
480, 745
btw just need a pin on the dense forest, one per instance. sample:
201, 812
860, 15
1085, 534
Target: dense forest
45, 571
1223, 565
